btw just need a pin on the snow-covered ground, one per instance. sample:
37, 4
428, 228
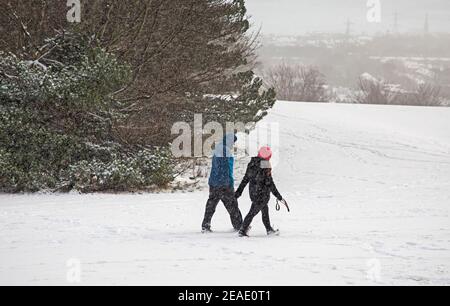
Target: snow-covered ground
369, 188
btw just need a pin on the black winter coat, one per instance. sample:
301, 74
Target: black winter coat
261, 182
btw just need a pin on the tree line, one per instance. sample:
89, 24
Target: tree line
90, 106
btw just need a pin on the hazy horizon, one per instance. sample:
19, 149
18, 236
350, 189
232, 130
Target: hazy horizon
292, 17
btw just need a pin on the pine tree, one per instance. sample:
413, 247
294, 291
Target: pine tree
181, 53
91, 107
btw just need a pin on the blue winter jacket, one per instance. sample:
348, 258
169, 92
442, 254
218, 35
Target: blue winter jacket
223, 164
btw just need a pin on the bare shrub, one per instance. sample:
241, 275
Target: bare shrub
427, 95
297, 83
372, 91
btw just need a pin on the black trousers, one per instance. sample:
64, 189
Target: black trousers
226, 195
258, 206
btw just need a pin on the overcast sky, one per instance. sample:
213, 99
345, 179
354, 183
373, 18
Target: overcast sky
303, 16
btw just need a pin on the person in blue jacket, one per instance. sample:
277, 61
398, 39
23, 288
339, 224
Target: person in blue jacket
221, 184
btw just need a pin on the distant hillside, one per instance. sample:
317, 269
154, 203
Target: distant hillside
406, 60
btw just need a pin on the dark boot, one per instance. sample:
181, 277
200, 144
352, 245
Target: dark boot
244, 232
206, 230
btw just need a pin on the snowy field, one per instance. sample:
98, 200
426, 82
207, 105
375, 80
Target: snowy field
369, 189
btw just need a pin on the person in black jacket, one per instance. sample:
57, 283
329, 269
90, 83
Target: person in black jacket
259, 176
